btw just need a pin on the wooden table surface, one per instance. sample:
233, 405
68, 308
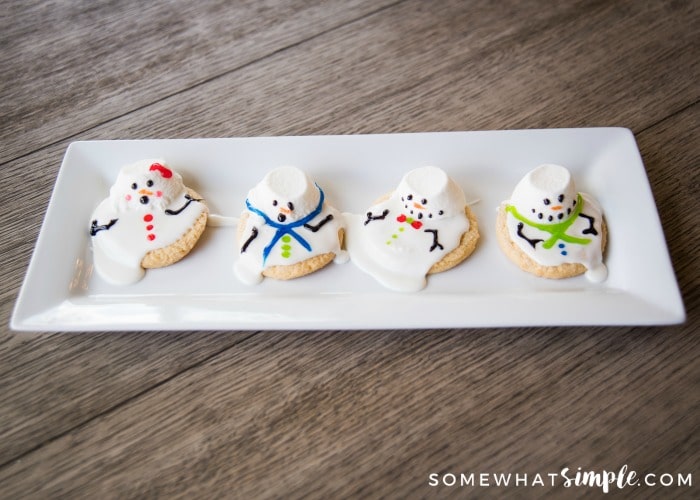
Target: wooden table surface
327, 414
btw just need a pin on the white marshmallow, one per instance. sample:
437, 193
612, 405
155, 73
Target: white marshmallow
443, 197
548, 190
284, 186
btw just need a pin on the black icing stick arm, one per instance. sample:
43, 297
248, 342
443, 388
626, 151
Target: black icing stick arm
253, 235
183, 207
436, 243
371, 216
95, 228
591, 229
318, 226
520, 233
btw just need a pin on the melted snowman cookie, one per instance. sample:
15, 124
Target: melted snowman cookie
551, 230
149, 220
423, 227
289, 230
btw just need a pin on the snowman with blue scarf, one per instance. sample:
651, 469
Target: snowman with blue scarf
287, 222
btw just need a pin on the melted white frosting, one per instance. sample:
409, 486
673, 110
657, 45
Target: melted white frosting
135, 221
395, 253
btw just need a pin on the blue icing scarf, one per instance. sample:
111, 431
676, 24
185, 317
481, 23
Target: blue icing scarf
283, 229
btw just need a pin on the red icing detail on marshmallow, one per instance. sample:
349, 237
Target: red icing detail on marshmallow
148, 217
165, 172
127, 197
151, 237
149, 227
416, 224
401, 218
159, 193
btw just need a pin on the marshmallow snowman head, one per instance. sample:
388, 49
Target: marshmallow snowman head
428, 193
286, 194
546, 194
145, 185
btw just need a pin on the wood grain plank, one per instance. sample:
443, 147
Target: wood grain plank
68, 66
452, 68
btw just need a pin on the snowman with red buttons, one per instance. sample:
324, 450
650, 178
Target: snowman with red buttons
148, 208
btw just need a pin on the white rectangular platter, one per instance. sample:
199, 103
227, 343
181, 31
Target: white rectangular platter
62, 293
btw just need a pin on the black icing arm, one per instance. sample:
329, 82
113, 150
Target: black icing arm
520, 233
318, 226
436, 243
95, 228
591, 220
183, 207
371, 216
253, 235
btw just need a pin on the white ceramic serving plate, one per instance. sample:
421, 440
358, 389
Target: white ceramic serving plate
61, 292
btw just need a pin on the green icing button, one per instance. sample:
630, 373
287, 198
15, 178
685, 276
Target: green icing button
286, 238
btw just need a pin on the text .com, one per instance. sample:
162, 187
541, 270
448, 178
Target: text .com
604, 480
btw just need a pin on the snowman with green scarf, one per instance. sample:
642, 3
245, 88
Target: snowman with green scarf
553, 224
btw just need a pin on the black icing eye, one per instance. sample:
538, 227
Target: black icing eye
149, 183
441, 212
561, 198
546, 201
274, 203
409, 197
290, 205
423, 201
134, 186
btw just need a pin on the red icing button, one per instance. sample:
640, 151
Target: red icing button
401, 218
416, 224
149, 227
151, 237
148, 217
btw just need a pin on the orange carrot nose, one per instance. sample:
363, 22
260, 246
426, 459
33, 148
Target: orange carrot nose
418, 206
285, 210
146, 192
557, 207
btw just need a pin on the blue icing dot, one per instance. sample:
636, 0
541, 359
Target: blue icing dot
561, 245
563, 252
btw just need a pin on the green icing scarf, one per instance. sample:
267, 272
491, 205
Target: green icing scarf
558, 230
